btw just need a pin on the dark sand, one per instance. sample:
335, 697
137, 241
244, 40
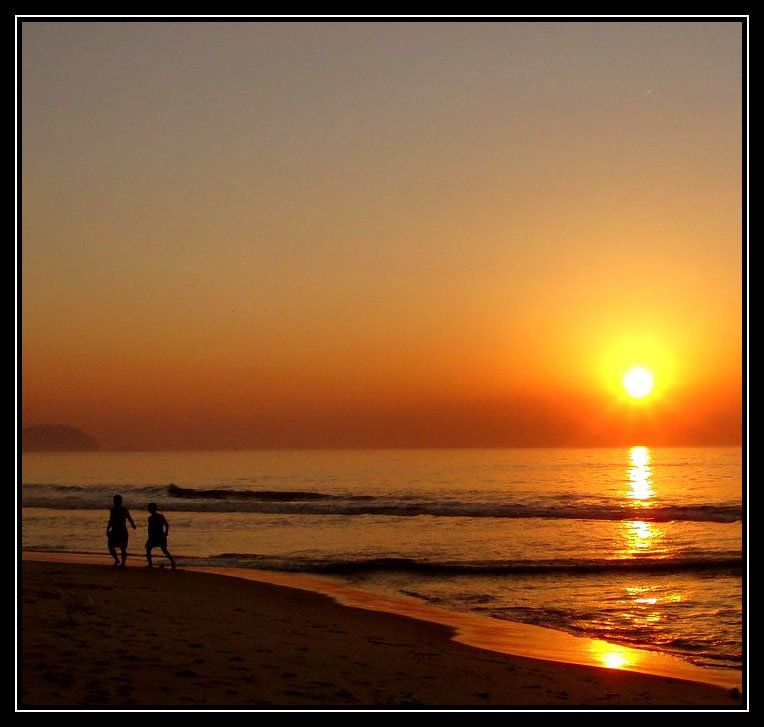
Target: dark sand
96, 635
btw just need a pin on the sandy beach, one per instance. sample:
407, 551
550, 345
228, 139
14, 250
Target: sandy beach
100, 636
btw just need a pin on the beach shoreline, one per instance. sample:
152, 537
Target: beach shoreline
95, 635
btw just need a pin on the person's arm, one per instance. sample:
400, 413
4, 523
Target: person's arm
166, 526
108, 526
130, 518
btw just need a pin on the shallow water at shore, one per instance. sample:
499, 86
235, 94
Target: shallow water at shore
509, 638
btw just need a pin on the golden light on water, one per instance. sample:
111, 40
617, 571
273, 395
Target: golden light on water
613, 660
639, 535
644, 604
642, 538
640, 476
609, 655
639, 456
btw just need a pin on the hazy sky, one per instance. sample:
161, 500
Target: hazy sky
381, 234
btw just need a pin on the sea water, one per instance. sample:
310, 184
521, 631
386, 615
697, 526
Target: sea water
638, 546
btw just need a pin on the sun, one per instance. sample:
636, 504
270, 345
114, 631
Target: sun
638, 382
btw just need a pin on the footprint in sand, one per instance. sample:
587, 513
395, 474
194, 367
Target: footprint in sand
209, 683
296, 693
54, 677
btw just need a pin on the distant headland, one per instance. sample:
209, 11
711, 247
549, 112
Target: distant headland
56, 438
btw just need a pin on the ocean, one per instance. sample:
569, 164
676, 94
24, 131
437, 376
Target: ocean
637, 546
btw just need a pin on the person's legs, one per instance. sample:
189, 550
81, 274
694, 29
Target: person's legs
123, 552
148, 555
113, 552
167, 553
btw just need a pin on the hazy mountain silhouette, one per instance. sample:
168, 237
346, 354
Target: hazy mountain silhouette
56, 438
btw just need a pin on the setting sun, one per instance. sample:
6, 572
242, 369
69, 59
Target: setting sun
638, 382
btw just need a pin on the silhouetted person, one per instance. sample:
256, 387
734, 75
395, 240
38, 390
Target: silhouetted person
158, 529
116, 530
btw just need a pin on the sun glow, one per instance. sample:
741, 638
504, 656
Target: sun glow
640, 371
638, 382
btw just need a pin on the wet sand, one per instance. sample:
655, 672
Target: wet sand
99, 636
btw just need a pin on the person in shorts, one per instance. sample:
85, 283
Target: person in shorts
158, 529
116, 530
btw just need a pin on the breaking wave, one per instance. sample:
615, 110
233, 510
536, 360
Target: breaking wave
299, 502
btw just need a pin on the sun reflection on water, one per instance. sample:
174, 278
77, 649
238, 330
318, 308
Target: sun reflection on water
641, 539
644, 605
640, 476
609, 655
613, 660
640, 534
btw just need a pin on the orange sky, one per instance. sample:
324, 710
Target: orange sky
381, 234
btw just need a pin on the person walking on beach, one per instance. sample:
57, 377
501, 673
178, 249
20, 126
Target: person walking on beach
116, 530
158, 529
